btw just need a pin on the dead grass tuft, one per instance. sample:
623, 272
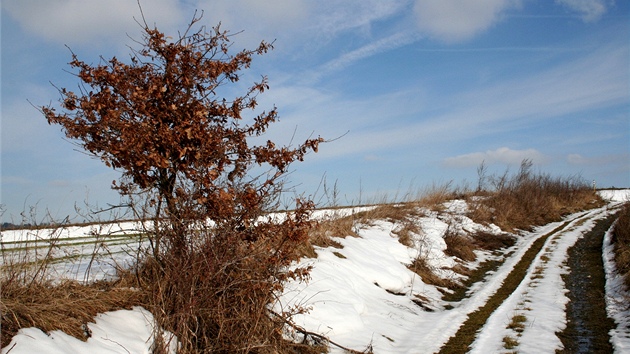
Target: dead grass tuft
491, 242
621, 240
509, 342
460, 246
338, 227
434, 197
460, 269
429, 275
517, 323
526, 199
323, 234
66, 306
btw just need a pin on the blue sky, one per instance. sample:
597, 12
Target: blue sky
419, 91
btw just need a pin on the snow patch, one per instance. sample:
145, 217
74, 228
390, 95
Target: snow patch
123, 331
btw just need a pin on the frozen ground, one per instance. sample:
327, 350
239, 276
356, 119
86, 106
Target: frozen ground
362, 296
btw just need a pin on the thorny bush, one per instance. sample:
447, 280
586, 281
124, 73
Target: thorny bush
216, 261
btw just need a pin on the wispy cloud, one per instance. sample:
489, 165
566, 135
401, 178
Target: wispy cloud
503, 155
89, 21
591, 10
454, 20
382, 45
337, 16
588, 82
300, 25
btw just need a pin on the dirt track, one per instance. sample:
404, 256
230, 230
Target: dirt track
587, 322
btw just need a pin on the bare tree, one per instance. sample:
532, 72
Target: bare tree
158, 119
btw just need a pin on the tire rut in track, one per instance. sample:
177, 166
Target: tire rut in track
588, 324
465, 336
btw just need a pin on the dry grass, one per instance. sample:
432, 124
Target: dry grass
324, 234
526, 199
460, 246
216, 300
401, 213
31, 297
434, 197
621, 239
69, 305
517, 323
216, 308
491, 242
509, 342
429, 274
65, 306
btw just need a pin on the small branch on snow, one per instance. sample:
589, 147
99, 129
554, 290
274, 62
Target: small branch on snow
313, 334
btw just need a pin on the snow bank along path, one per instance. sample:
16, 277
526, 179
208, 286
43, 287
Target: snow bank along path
616, 292
362, 295
540, 297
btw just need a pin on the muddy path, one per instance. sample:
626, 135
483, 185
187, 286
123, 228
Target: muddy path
462, 340
514, 317
588, 324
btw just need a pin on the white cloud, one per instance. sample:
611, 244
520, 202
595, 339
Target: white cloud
588, 82
456, 20
256, 20
501, 155
299, 23
84, 21
591, 10
576, 159
330, 18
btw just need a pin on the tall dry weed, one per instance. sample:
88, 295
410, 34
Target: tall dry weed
526, 199
621, 240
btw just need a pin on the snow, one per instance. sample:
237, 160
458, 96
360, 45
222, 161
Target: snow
349, 307
353, 299
615, 195
616, 293
540, 297
71, 232
362, 295
123, 331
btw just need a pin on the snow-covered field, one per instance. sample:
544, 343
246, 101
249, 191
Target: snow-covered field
362, 295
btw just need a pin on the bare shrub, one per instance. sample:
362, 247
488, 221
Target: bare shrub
216, 259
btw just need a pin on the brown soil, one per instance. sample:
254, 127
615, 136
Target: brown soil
587, 322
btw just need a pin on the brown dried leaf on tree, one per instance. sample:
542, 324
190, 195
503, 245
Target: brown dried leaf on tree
158, 119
